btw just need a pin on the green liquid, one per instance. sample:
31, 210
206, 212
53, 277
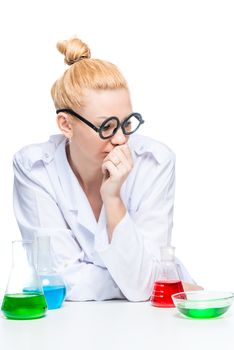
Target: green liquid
24, 306
203, 313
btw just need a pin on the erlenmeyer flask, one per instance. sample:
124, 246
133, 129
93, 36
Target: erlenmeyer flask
167, 281
52, 283
24, 297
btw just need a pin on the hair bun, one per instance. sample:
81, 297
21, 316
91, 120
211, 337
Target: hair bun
74, 50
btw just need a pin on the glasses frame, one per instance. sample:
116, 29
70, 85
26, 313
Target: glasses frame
99, 130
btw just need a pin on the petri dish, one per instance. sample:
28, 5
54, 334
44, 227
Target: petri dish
203, 304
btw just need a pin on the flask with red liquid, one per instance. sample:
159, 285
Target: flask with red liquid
167, 281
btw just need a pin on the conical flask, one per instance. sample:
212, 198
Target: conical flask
24, 298
53, 285
167, 280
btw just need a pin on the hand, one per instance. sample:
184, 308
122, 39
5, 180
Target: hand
115, 168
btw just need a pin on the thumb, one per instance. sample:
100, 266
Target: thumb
105, 173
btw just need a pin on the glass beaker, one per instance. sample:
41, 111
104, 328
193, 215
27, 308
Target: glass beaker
24, 298
167, 280
53, 285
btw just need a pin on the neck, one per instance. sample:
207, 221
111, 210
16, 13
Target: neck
89, 175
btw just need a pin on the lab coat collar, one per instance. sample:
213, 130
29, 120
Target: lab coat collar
41, 152
49, 148
149, 146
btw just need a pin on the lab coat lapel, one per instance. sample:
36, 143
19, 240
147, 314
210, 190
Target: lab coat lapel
86, 216
74, 197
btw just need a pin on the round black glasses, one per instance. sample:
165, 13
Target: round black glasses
111, 125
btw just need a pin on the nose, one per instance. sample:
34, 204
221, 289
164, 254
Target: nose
119, 138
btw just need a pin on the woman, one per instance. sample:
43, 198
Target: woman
104, 194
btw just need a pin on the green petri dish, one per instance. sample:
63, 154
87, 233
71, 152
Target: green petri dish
203, 304
203, 313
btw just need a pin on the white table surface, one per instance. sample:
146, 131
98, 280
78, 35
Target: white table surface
117, 325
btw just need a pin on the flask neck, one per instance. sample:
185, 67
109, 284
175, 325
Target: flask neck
22, 253
167, 254
168, 268
44, 259
168, 272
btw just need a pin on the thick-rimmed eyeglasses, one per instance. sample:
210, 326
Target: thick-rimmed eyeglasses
111, 125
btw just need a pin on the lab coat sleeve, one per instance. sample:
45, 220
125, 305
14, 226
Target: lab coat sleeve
37, 213
133, 254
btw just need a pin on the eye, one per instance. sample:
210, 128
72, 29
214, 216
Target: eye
106, 127
127, 123
109, 125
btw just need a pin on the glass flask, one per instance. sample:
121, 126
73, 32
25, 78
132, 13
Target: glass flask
167, 280
24, 298
52, 283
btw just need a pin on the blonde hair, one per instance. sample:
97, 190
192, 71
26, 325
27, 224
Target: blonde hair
84, 73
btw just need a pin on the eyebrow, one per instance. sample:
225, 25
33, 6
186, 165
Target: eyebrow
105, 117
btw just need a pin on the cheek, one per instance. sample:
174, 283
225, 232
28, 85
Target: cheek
92, 144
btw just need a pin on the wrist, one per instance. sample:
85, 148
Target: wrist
115, 211
111, 200
115, 208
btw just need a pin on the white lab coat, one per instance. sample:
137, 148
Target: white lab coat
49, 200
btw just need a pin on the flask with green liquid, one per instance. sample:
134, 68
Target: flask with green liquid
24, 298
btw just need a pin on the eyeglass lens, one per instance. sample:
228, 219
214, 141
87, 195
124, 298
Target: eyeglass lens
130, 125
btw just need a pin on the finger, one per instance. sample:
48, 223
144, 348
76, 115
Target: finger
127, 152
126, 149
110, 167
116, 156
124, 158
119, 159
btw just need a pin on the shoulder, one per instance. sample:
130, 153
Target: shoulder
146, 147
44, 152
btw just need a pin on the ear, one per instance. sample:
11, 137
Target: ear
65, 125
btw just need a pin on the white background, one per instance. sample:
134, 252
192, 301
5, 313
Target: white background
178, 58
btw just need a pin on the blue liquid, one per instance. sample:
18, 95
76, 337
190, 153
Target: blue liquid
54, 295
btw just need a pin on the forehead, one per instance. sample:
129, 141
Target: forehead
104, 103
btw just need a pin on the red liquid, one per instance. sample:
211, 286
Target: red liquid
162, 292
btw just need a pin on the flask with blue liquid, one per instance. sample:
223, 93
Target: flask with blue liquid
53, 285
